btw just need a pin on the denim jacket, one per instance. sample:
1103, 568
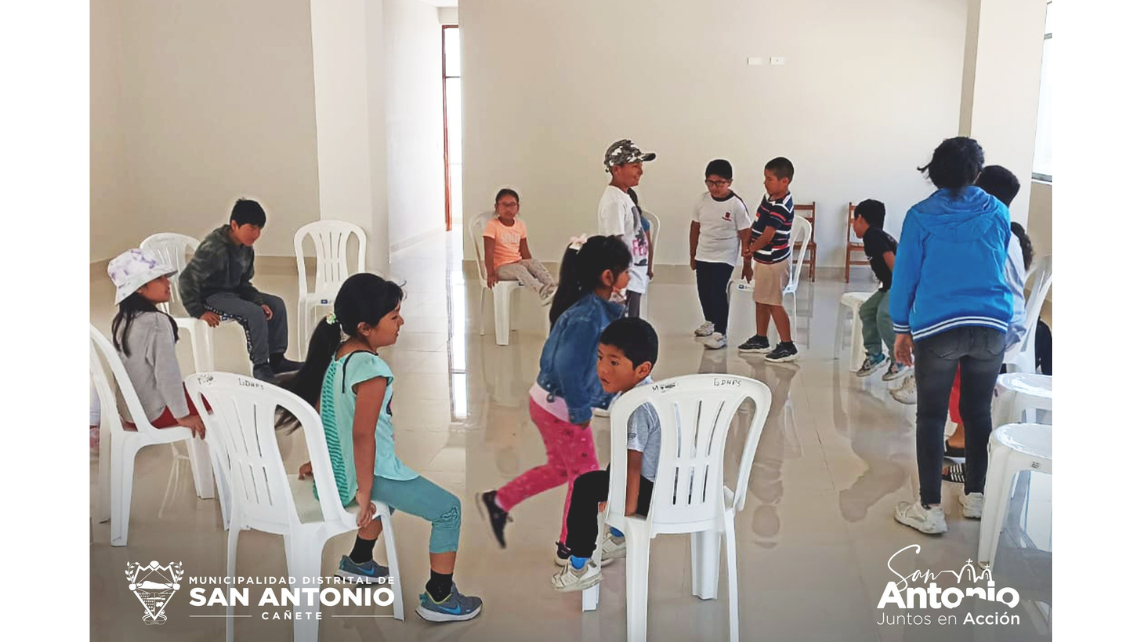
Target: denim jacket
567, 365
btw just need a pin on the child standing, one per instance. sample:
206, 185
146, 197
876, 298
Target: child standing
880, 248
506, 253
216, 285
355, 387
144, 337
719, 236
619, 215
628, 350
770, 248
567, 386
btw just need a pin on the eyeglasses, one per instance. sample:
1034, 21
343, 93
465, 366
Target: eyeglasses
717, 183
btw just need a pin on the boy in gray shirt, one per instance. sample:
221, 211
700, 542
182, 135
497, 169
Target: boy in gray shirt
628, 349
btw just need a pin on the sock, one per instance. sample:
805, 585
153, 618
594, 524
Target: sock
578, 562
496, 501
439, 586
362, 550
616, 532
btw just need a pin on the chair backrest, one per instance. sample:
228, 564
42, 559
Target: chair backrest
801, 233
173, 249
808, 211
331, 240
102, 352
240, 430
695, 412
655, 226
1040, 282
476, 233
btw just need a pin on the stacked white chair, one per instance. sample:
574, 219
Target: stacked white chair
268, 498
1021, 357
1012, 449
655, 227
853, 301
502, 293
1019, 393
331, 240
696, 412
801, 232
118, 447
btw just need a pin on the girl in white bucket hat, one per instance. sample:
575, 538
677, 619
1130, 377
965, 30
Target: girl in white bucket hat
145, 336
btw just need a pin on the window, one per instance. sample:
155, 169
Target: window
452, 155
1041, 166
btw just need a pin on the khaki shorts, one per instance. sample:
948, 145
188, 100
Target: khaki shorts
769, 281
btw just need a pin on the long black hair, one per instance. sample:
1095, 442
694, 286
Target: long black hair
1024, 244
580, 271
363, 298
955, 164
130, 308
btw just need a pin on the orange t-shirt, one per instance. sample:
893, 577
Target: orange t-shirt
505, 249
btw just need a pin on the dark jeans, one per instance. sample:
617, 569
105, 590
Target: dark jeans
583, 515
713, 278
978, 351
1043, 347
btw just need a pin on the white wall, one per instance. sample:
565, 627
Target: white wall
109, 194
1039, 220
867, 92
217, 104
414, 120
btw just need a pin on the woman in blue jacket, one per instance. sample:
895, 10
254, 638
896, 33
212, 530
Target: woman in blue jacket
951, 306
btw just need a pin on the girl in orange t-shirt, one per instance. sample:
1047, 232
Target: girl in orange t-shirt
506, 254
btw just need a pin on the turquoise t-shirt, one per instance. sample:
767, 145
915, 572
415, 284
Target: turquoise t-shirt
338, 404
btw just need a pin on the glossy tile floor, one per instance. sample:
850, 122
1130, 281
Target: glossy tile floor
814, 541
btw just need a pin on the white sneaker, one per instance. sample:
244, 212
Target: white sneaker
613, 548
704, 330
926, 520
906, 393
717, 341
973, 505
569, 579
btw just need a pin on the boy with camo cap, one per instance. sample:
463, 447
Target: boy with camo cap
620, 215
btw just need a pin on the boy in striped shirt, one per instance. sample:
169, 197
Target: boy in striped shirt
770, 248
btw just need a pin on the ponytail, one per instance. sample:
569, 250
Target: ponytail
322, 346
582, 267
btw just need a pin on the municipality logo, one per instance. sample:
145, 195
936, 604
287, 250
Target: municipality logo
154, 585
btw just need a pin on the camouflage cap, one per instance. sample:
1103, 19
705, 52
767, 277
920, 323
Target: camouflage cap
622, 152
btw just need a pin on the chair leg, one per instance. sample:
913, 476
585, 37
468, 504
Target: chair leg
304, 560
483, 313
200, 467
122, 478
231, 571
638, 580
591, 595
103, 504
848, 263
855, 359
996, 489
394, 567
705, 560
732, 575
301, 328
502, 302
221, 483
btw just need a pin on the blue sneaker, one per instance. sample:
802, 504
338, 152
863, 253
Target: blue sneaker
455, 608
370, 572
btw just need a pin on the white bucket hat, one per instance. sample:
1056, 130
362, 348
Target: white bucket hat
133, 269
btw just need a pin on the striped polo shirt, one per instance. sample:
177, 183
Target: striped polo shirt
777, 214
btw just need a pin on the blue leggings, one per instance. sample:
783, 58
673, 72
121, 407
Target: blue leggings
424, 499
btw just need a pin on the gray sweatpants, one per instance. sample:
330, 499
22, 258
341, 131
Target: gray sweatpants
530, 273
263, 337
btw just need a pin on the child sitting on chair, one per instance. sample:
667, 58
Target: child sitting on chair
628, 349
506, 253
144, 337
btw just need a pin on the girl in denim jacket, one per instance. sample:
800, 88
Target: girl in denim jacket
568, 386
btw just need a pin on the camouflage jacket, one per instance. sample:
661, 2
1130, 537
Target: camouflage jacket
218, 265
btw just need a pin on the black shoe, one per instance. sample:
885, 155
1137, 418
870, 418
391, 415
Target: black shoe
782, 353
756, 344
280, 364
496, 516
264, 373
952, 451
562, 554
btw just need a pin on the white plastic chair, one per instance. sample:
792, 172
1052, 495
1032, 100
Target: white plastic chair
801, 232
331, 239
1021, 357
116, 473
695, 412
1012, 449
173, 250
266, 497
853, 301
655, 227
502, 293
1019, 393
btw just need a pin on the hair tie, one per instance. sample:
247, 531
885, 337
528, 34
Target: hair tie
331, 318
577, 242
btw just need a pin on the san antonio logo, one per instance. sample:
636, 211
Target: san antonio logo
154, 585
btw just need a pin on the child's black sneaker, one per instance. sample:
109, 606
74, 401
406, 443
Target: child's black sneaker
756, 344
496, 516
784, 352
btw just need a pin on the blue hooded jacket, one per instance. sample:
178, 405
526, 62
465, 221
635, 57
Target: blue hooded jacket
949, 269
567, 364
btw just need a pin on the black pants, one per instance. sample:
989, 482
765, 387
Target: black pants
978, 351
583, 515
1043, 347
634, 300
713, 278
